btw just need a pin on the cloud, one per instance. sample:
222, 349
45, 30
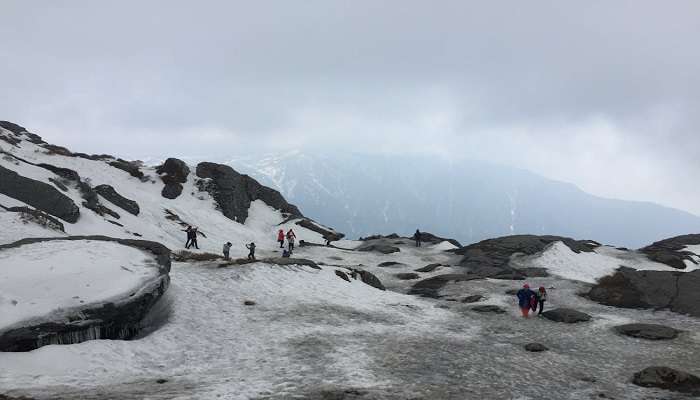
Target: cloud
602, 94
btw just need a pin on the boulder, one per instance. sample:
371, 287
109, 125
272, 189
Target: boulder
671, 251
488, 308
668, 379
39, 195
173, 171
118, 200
118, 318
407, 276
380, 246
472, 299
648, 331
327, 233
536, 347
429, 268
342, 275
129, 167
390, 264
233, 192
427, 237
368, 278
291, 261
629, 288
566, 315
430, 287
171, 191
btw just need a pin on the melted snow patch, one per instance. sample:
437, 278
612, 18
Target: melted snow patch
42, 278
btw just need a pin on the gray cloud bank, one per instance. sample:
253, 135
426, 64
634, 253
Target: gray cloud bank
604, 94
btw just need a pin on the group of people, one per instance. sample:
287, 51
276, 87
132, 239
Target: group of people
529, 299
291, 239
192, 233
250, 246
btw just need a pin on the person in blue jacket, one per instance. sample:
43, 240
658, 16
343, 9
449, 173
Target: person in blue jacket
525, 299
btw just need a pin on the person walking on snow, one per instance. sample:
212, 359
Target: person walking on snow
525, 298
188, 230
251, 247
280, 238
417, 237
541, 298
193, 240
291, 237
227, 248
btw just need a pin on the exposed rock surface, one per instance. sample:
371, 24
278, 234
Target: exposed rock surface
327, 233
120, 319
390, 264
233, 192
39, 217
671, 251
425, 237
669, 379
488, 308
429, 268
430, 287
472, 299
648, 331
342, 275
536, 347
407, 276
173, 173
629, 288
118, 200
39, 195
566, 315
378, 245
367, 277
128, 167
491, 257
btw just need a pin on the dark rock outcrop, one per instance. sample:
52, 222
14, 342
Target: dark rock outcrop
407, 276
648, 331
535, 347
118, 200
342, 275
173, 173
12, 127
668, 379
429, 268
431, 287
488, 308
367, 277
65, 173
379, 245
39, 217
327, 233
566, 315
629, 288
427, 237
386, 264
119, 319
670, 251
491, 257
472, 299
129, 167
39, 195
233, 192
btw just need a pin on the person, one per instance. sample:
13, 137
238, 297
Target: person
194, 232
188, 230
541, 298
285, 253
525, 298
291, 237
227, 248
417, 237
280, 238
251, 247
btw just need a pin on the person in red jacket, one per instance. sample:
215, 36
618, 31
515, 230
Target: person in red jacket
280, 238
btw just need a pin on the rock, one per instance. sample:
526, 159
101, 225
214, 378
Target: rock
430, 287
536, 347
127, 166
566, 315
407, 276
249, 303
12, 127
121, 318
380, 246
427, 237
671, 251
629, 288
488, 308
669, 379
429, 268
291, 261
161, 381
389, 264
65, 173
512, 292
472, 299
173, 170
368, 278
492, 257
118, 200
534, 272
327, 233
234, 192
342, 275
39, 217
648, 331
171, 191
39, 195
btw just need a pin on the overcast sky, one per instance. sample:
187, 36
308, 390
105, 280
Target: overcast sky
605, 94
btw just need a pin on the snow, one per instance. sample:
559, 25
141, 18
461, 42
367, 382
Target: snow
560, 260
15, 227
37, 280
696, 250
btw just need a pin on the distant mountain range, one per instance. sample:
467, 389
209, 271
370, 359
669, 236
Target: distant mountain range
467, 200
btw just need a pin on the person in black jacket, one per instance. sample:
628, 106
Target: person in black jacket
417, 237
251, 247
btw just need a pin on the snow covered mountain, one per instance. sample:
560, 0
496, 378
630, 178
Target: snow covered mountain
467, 200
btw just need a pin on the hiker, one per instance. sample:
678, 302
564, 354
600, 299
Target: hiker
227, 248
189, 236
193, 240
291, 237
525, 298
417, 237
280, 238
541, 298
251, 247
285, 254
